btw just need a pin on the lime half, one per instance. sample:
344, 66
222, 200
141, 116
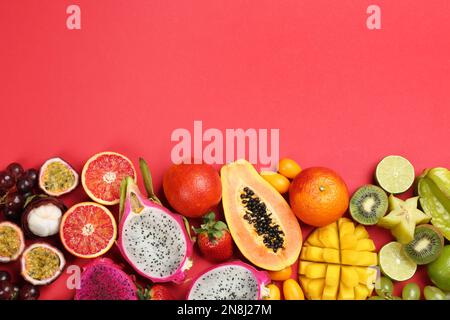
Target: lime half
395, 264
395, 174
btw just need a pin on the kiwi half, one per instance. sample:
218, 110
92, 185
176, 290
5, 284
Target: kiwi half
426, 246
368, 204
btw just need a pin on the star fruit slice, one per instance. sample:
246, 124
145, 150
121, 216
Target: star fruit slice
403, 218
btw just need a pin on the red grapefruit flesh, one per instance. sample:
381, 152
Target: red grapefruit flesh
102, 175
88, 230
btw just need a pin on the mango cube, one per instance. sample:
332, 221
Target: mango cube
335, 262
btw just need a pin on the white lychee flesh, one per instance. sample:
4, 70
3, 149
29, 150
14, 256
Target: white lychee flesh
44, 220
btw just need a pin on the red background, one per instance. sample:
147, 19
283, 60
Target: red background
342, 96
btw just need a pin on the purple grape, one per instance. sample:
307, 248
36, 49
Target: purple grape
11, 215
15, 169
14, 201
33, 175
16, 292
6, 290
5, 276
24, 185
29, 292
7, 181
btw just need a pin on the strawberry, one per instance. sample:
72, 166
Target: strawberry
155, 292
214, 239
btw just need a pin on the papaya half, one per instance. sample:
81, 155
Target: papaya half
262, 224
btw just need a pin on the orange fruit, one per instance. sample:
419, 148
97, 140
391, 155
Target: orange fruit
318, 196
292, 290
281, 275
289, 168
279, 182
102, 175
88, 230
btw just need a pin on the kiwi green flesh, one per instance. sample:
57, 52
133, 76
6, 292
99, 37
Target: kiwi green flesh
368, 204
426, 246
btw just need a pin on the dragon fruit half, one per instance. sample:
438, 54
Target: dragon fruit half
153, 240
104, 280
230, 281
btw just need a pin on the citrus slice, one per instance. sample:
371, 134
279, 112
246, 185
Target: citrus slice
88, 230
102, 175
395, 263
395, 174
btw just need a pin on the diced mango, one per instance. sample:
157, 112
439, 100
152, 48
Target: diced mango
349, 257
346, 293
359, 258
349, 276
329, 236
333, 275
304, 281
314, 254
365, 245
331, 255
361, 232
342, 220
330, 292
367, 259
337, 262
302, 266
361, 292
316, 270
346, 228
315, 287
348, 241
314, 240
303, 253
367, 276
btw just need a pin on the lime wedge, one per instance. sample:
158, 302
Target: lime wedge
395, 264
395, 174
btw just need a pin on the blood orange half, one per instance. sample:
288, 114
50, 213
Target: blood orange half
102, 175
88, 230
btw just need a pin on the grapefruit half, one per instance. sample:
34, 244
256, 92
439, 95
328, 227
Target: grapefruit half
88, 230
102, 175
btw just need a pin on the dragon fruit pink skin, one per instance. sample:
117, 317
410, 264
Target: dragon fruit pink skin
175, 223
252, 280
102, 279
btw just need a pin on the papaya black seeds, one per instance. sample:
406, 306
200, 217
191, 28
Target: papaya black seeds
258, 215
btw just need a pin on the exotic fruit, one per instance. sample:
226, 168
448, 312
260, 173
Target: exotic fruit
318, 196
434, 192
230, 281
152, 239
192, 189
403, 218
41, 264
88, 230
57, 177
102, 175
338, 262
12, 242
42, 217
104, 280
261, 222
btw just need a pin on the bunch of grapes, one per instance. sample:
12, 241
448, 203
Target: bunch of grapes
10, 291
16, 185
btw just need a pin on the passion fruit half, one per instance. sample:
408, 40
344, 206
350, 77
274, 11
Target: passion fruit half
42, 264
57, 177
12, 242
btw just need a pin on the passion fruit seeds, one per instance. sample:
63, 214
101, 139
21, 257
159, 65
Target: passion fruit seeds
42, 263
12, 242
57, 177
